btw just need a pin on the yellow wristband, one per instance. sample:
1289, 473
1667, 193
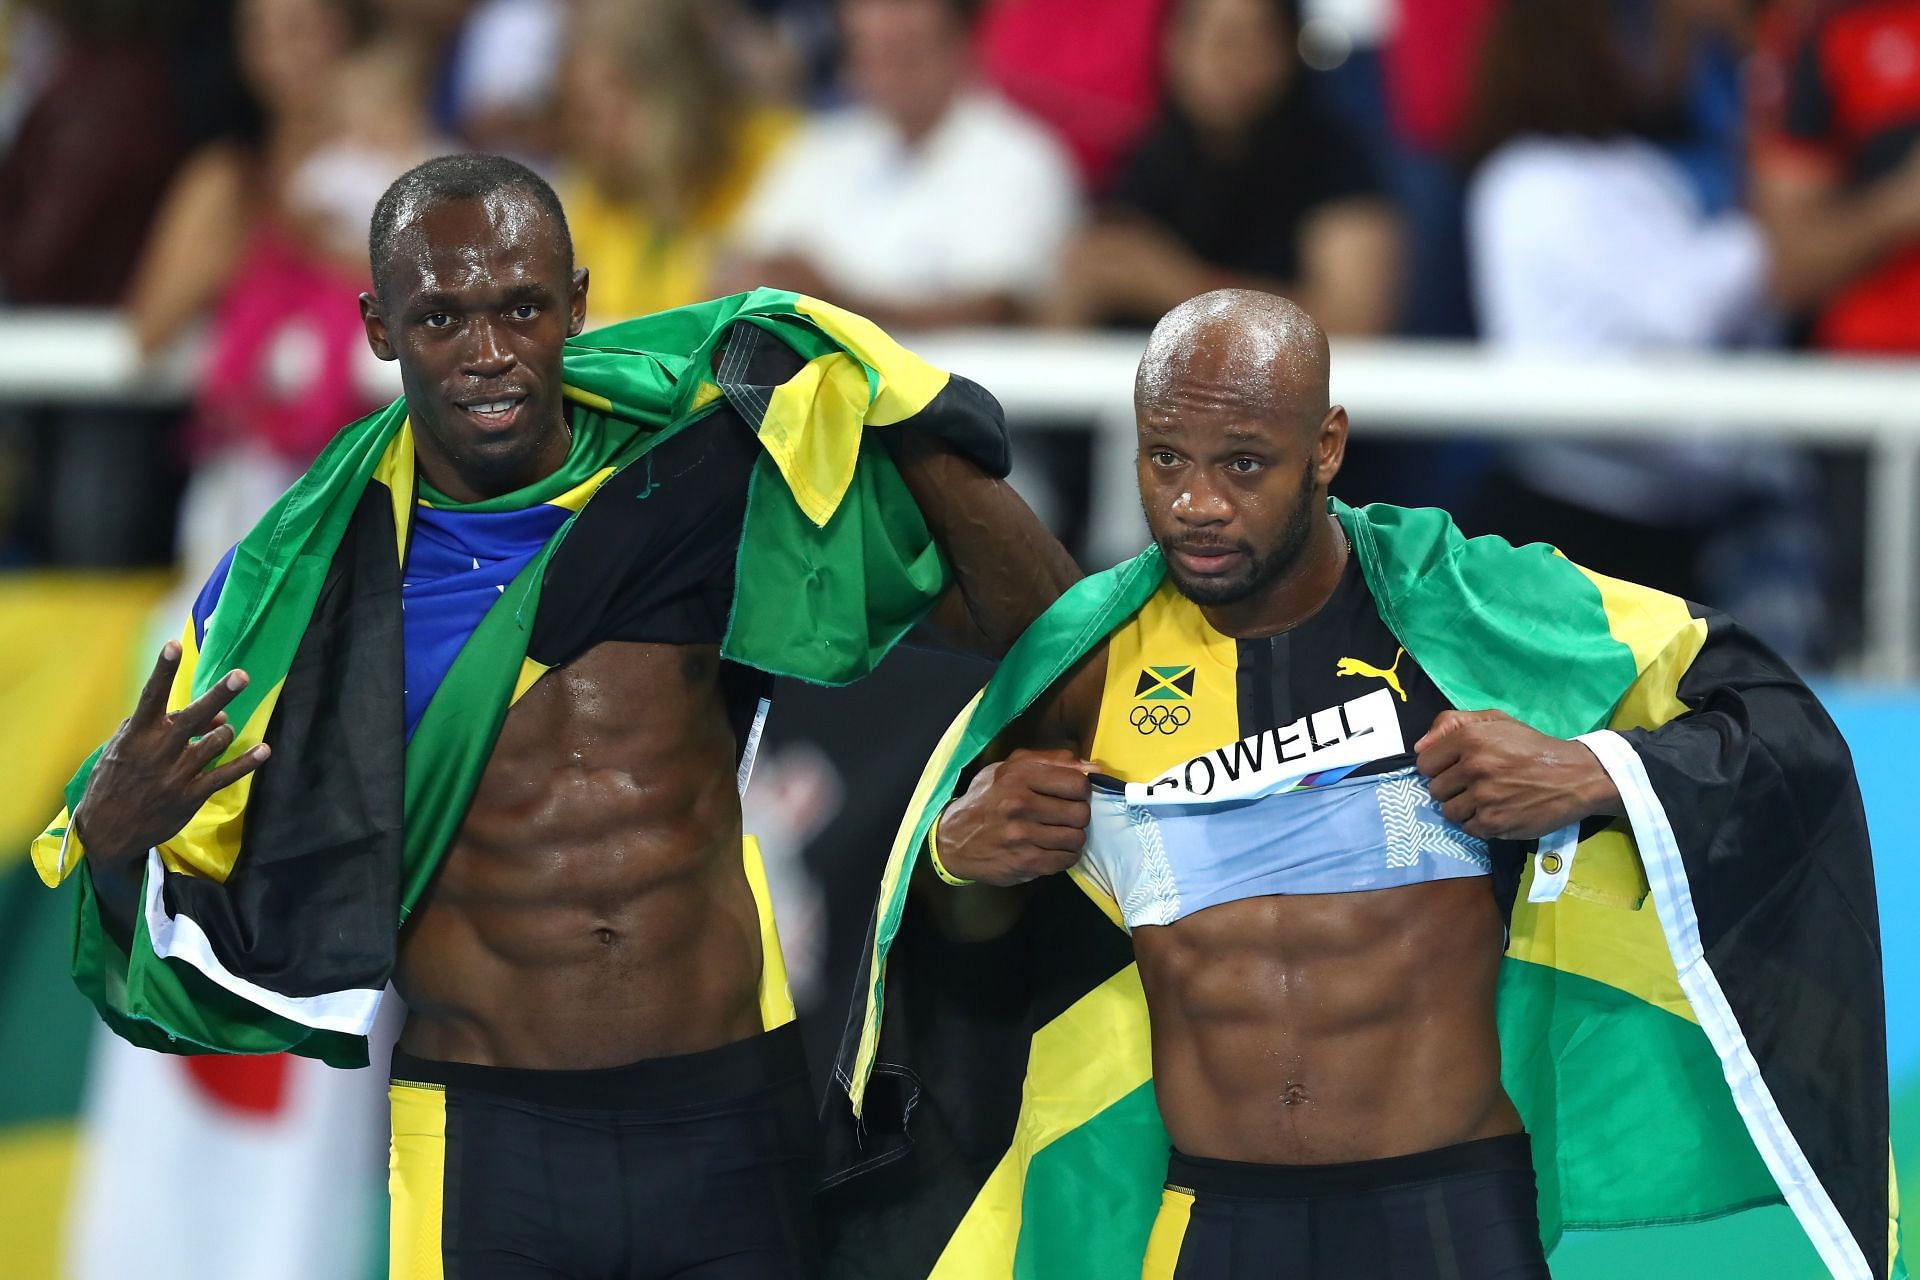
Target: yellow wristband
933, 855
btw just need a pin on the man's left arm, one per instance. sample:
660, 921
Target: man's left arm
1007, 566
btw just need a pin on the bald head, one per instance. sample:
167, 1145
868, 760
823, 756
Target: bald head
1237, 346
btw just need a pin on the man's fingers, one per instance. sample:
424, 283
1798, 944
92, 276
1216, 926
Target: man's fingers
232, 771
1054, 811
1445, 786
1451, 721
1439, 756
198, 715
204, 752
153, 697
1460, 810
1061, 781
1058, 839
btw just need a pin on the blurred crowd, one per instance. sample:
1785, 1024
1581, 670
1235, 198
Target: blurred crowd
1580, 175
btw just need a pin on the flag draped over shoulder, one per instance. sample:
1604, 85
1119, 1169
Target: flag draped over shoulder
268, 923
1692, 1027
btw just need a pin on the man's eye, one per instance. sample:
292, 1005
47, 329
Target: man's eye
1164, 458
436, 320
525, 311
1245, 466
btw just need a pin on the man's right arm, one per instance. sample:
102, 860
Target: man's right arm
151, 779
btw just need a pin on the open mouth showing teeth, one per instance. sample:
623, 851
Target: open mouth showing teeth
495, 412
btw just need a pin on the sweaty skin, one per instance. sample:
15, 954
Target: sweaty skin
1297, 1029
1286, 1029
592, 909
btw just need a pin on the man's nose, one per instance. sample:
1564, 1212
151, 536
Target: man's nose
486, 354
1202, 503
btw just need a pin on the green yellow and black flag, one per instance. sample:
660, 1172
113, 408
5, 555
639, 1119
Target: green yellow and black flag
1693, 1027
269, 922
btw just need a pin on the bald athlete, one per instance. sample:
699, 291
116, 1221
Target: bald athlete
1324, 1050
581, 978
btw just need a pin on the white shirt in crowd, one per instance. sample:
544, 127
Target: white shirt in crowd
1583, 245
1599, 245
983, 205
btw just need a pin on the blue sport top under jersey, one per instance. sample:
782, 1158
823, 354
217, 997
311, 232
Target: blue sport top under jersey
458, 564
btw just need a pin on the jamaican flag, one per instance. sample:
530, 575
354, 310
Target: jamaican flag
1692, 1027
269, 922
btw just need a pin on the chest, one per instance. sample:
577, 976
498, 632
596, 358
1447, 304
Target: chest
1176, 688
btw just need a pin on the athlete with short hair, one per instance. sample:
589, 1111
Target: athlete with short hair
597, 1076
1324, 1048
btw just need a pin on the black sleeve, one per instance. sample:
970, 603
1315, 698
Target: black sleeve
651, 557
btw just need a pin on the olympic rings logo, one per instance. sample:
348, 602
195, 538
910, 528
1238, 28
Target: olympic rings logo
1159, 717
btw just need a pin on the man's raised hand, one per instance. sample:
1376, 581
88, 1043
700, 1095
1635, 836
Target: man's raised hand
1022, 818
153, 776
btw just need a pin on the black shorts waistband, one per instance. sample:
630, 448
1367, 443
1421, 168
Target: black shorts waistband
1511, 1152
769, 1060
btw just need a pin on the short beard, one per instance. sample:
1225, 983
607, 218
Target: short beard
1261, 570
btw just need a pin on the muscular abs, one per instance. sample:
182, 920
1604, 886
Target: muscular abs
1312, 1028
1324, 1028
593, 909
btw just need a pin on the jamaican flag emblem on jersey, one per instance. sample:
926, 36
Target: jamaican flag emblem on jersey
1165, 684
1692, 1027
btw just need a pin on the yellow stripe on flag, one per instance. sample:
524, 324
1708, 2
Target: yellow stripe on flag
908, 384
812, 430
1081, 1063
395, 471
900, 862
1599, 929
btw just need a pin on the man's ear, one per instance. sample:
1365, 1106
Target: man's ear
376, 327
577, 303
1330, 445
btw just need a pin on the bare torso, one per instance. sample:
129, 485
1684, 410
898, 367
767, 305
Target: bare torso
593, 909
1317, 1028
1327, 1028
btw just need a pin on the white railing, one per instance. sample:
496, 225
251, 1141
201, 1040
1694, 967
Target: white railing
1390, 387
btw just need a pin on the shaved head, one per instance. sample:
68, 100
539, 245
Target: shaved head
1238, 345
1238, 444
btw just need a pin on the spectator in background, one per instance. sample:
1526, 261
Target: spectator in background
1585, 237
269, 238
1097, 88
1837, 178
98, 131
928, 202
1243, 182
662, 144
92, 156
502, 76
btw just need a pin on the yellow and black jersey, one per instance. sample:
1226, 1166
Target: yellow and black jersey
1176, 687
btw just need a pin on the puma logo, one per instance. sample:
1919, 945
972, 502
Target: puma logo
1355, 667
